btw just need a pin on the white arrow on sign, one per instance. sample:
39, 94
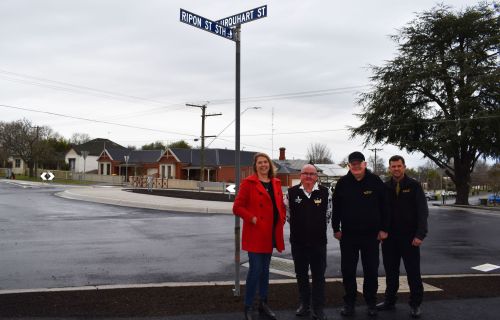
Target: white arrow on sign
230, 188
51, 176
44, 176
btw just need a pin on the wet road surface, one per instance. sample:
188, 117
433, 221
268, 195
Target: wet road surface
47, 241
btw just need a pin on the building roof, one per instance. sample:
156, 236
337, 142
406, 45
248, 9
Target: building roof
213, 157
95, 146
332, 170
290, 166
135, 156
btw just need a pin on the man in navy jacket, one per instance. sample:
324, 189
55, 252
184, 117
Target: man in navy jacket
407, 230
360, 220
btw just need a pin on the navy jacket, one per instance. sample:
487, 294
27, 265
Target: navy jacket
360, 207
409, 209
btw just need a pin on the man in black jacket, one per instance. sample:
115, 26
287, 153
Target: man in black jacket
360, 220
407, 230
309, 208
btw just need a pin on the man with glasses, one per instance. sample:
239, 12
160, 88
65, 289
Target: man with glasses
360, 220
309, 208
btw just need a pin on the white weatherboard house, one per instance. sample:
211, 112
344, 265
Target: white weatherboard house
93, 148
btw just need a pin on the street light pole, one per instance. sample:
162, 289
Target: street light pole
230, 123
126, 168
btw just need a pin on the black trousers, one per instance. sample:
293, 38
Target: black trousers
393, 250
350, 247
315, 258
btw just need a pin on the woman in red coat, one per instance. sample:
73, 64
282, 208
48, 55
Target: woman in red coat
260, 204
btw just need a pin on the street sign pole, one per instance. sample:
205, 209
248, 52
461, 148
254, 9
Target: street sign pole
230, 28
237, 226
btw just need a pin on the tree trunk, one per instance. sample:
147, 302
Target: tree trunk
463, 186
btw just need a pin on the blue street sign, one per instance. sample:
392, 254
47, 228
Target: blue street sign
244, 17
206, 24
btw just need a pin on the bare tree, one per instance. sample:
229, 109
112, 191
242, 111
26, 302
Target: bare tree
79, 138
378, 167
319, 153
22, 139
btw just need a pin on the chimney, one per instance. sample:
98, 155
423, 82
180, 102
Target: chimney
282, 154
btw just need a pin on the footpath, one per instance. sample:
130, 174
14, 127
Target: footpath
446, 297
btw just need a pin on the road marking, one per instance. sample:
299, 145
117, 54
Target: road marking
486, 267
403, 285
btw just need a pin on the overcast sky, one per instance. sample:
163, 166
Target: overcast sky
135, 64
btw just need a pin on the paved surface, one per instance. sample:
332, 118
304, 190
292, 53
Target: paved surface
96, 242
120, 197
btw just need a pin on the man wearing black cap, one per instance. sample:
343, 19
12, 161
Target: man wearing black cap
360, 220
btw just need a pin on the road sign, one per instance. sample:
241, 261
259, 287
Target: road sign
206, 24
47, 176
244, 17
231, 188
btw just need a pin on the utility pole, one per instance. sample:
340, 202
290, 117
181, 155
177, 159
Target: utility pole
375, 165
202, 153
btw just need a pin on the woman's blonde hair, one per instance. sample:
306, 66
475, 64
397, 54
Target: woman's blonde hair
272, 168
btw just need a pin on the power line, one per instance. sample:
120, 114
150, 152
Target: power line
95, 120
85, 90
372, 127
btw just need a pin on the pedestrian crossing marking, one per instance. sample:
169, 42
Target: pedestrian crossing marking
486, 267
403, 285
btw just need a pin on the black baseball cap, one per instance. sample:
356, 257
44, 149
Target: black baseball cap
356, 156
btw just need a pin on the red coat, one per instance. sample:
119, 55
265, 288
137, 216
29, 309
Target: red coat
254, 201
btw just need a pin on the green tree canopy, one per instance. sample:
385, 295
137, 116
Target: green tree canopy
440, 94
157, 145
180, 144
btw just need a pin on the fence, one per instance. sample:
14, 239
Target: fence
134, 181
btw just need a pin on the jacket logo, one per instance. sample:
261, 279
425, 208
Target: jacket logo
406, 190
298, 200
317, 201
367, 192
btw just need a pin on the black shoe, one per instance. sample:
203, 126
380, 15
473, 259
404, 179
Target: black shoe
347, 310
303, 310
318, 315
248, 313
384, 306
265, 310
415, 312
372, 311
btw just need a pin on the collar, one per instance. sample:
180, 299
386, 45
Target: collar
394, 182
315, 187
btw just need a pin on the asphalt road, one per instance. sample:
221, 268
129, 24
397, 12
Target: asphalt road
47, 241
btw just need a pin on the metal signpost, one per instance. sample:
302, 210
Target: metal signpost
84, 155
230, 28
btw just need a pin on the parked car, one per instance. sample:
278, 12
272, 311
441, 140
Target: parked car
429, 195
494, 198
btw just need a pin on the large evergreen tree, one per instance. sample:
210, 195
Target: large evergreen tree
440, 94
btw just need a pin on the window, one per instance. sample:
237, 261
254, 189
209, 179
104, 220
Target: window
18, 163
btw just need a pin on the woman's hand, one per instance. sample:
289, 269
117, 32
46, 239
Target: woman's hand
254, 220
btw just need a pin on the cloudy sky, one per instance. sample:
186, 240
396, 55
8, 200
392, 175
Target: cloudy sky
124, 70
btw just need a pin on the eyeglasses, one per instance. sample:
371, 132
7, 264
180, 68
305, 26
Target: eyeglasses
309, 174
